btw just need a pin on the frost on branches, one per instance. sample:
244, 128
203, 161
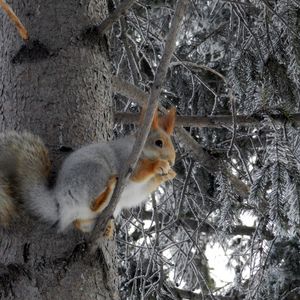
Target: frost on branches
232, 58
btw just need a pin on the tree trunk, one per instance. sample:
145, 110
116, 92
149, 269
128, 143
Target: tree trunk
59, 87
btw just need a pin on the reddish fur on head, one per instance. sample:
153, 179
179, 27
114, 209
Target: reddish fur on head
158, 155
155, 121
159, 144
167, 123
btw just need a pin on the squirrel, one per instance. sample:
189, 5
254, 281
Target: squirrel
87, 178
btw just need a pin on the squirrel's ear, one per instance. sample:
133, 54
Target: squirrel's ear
155, 124
168, 122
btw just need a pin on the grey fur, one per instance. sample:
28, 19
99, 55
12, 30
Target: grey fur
85, 173
83, 176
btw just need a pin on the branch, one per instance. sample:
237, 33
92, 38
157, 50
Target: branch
182, 294
117, 13
151, 107
14, 19
218, 121
205, 227
198, 66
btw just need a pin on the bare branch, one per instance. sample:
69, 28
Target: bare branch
217, 121
129, 90
151, 107
204, 227
198, 66
182, 294
118, 12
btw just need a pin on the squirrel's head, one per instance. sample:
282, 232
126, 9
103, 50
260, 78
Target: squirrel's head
159, 143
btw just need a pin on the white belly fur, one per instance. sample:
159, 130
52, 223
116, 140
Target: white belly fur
133, 195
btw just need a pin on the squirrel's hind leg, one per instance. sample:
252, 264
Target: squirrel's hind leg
103, 199
97, 206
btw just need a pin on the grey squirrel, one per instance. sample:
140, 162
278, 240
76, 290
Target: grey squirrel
87, 178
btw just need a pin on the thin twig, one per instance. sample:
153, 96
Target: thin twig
243, 163
197, 66
233, 111
188, 176
151, 107
14, 19
132, 62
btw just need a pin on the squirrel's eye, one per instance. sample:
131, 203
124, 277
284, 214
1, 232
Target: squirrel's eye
159, 143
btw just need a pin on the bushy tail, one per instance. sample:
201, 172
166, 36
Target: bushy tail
7, 204
25, 165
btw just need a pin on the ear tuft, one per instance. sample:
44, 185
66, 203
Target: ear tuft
168, 122
155, 123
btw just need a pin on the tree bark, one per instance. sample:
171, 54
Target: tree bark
59, 87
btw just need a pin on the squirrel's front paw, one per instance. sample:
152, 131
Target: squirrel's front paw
162, 167
171, 174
